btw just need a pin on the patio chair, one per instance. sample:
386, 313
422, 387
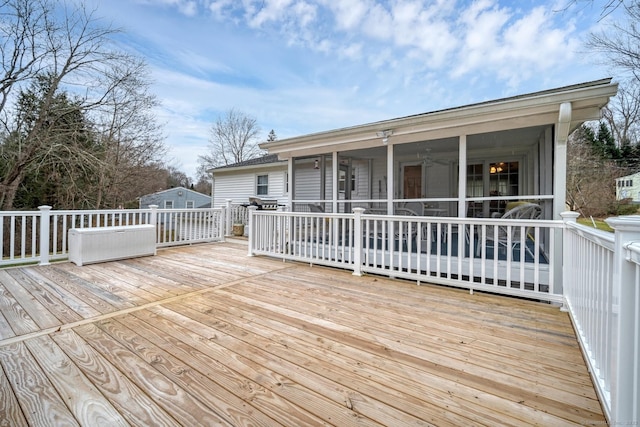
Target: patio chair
417, 207
315, 208
513, 234
406, 212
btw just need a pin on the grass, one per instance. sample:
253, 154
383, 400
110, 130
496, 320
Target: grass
599, 224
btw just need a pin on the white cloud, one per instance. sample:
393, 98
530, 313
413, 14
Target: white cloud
303, 66
513, 47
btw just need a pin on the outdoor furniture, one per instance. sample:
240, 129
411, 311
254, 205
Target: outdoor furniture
431, 211
406, 212
511, 235
315, 208
417, 207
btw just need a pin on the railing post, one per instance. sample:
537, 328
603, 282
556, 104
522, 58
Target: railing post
567, 277
228, 219
251, 235
624, 400
153, 219
45, 220
357, 241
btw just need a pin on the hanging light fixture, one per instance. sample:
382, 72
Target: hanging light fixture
384, 134
315, 164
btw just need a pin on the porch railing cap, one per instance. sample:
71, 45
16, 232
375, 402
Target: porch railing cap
625, 223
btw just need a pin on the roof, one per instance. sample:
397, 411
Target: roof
266, 160
584, 100
633, 175
173, 189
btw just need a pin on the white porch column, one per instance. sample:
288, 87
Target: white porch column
560, 185
462, 176
390, 181
560, 164
290, 180
335, 171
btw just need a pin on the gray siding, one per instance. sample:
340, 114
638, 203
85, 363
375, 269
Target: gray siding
179, 196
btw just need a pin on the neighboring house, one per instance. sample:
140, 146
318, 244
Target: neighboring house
628, 187
465, 161
176, 198
264, 177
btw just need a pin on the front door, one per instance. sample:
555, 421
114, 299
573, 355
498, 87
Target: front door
412, 182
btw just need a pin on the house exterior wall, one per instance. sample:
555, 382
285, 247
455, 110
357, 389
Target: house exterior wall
239, 185
628, 187
178, 197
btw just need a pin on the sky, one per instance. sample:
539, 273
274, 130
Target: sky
305, 66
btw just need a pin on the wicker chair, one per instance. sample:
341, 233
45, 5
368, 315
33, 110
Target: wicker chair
509, 237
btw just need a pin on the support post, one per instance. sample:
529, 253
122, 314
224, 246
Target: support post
153, 219
45, 221
227, 221
357, 241
566, 257
625, 392
251, 233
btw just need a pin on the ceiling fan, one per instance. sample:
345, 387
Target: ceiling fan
428, 159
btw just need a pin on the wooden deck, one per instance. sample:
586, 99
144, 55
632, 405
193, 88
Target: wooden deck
205, 335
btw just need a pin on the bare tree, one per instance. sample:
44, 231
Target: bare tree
620, 46
234, 138
130, 137
623, 114
591, 175
74, 51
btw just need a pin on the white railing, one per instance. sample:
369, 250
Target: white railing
602, 294
302, 236
516, 258
185, 226
41, 236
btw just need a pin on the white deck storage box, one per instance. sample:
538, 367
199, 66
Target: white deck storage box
100, 244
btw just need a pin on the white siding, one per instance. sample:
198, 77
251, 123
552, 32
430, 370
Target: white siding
307, 182
240, 185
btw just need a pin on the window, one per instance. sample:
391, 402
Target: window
503, 180
190, 204
168, 204
342, 180
262, 186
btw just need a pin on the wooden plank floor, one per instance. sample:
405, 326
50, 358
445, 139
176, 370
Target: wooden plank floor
204, 335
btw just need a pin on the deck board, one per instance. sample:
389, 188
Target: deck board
205, 335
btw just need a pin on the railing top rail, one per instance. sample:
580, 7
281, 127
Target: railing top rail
309, 214
186, 210
599, 237
18, 213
